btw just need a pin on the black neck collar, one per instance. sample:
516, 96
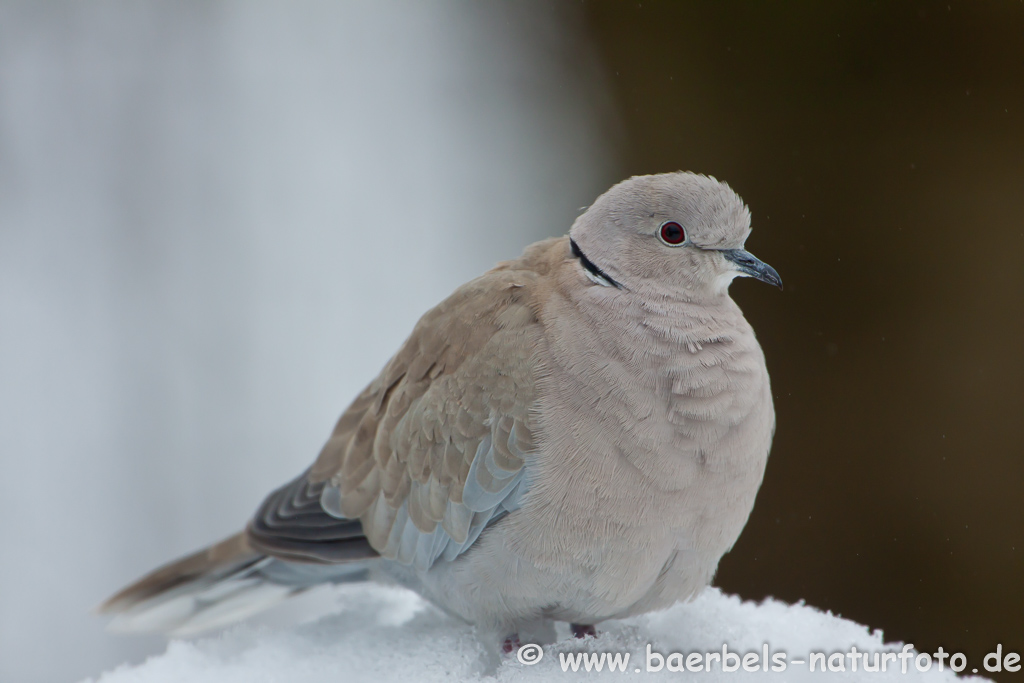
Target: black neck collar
589, 265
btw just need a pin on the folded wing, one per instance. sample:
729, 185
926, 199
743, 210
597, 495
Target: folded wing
434, 450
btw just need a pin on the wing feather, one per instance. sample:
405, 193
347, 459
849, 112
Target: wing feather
436, 448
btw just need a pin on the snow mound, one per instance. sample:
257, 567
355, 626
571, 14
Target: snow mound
383, 634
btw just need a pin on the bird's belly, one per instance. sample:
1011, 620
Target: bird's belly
495, 586
595, 577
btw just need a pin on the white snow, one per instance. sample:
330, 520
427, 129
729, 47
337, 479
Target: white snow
383, 634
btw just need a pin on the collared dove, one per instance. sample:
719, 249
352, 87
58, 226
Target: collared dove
576, 435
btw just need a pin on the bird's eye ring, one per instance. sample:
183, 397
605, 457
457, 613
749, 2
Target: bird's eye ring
672, 233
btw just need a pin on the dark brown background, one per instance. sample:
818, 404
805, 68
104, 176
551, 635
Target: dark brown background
880, 147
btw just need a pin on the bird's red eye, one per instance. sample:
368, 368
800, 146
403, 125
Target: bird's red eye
672, 233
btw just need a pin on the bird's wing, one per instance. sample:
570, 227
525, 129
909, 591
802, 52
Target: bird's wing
433, 450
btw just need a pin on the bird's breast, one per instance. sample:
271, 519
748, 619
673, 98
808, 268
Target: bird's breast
652, 442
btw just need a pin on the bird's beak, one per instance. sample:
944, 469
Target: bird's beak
750, 265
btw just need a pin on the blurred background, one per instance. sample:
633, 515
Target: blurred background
218, 219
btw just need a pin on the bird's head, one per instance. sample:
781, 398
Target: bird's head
673, 234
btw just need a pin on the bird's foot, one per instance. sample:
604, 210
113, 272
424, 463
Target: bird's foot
583, 630
510, 644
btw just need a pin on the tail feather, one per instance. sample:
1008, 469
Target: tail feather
214, 587
221, 559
